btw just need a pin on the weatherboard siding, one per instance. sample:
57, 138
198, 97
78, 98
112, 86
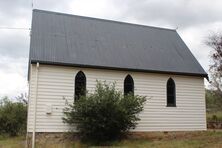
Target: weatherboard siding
56, 87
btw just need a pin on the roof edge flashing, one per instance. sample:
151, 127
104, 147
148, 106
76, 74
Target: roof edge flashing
205, 75
100, 19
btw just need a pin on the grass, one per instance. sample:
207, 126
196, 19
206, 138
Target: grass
12, 142
176, 139
214, 116
154, 139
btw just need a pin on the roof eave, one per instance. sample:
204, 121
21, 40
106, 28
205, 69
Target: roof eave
205, 75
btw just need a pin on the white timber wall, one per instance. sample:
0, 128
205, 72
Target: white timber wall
56, 89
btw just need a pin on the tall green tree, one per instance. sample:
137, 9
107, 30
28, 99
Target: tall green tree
214, 41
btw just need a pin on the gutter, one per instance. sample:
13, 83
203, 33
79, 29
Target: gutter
205, 75
35, 106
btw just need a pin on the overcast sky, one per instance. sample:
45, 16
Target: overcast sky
195, 20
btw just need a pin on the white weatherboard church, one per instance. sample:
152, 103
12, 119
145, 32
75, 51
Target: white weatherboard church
69, 53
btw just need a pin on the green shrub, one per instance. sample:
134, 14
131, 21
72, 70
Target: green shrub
105, 114
213, 101
214, 116
13, 116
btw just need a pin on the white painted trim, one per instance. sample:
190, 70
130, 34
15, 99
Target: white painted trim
35, 106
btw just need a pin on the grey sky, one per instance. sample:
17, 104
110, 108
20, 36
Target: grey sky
195, 19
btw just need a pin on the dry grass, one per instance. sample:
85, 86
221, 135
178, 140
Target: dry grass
137, 140
213, 115
12, 142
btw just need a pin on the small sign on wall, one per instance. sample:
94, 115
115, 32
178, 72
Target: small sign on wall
48, 109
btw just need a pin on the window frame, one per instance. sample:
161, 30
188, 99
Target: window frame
81, 92
171, 80
130, 80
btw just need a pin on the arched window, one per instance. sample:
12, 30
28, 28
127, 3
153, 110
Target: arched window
171, 92
80, 85
128, 85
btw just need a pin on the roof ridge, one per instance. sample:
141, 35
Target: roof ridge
99, 19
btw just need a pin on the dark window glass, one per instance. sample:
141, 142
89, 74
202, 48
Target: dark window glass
171, 93
80, 85
128, 85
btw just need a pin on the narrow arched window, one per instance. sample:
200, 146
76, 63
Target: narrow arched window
128, 85
80, 85
171, 92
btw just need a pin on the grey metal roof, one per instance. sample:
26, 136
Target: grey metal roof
65, 39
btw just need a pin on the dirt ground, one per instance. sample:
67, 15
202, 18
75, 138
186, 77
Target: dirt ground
201, 139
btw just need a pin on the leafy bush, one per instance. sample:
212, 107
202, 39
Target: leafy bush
213, 101
105, 114
214, 116
13, 117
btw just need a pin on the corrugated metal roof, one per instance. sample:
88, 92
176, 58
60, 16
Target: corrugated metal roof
89, 42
